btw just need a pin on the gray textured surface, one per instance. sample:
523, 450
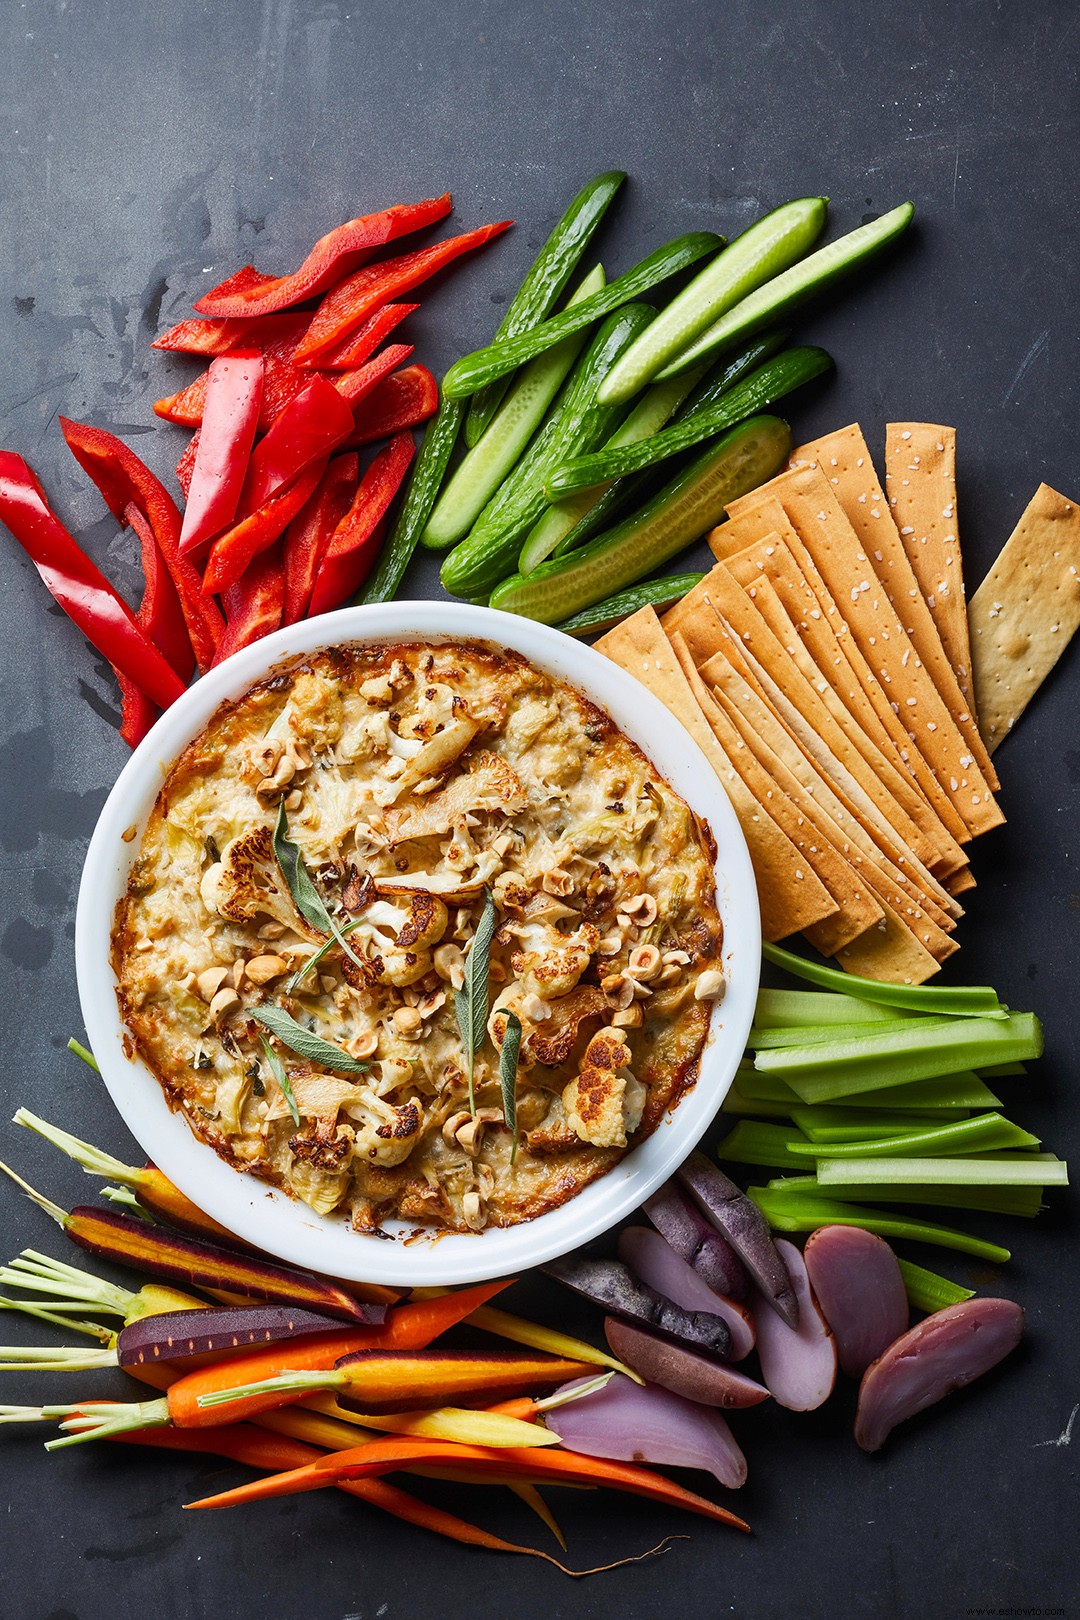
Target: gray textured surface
146, 150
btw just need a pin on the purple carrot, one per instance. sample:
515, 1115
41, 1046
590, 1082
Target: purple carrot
177, 1334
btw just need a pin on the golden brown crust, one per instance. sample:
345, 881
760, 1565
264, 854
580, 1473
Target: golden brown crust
517, 785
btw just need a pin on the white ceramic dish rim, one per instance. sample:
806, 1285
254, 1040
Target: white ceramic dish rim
283, 1226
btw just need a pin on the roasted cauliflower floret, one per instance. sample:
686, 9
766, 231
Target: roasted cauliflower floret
386, 1133
549, 964
397, 937
595, 1100
489, 786
444, 728
247, 882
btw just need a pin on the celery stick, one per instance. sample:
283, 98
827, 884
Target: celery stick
790, 1009
964, 1090
968, 1001
736, 1102
825, 1124
899, 1057
982, 1134
982, 1170
764, 1040
752, 1142
1023, 1201
1000, 1071
786, 1214
929, 1292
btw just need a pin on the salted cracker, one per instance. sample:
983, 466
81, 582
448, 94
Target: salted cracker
791, 896
920, 481
1025, 612
845, 460
816, 514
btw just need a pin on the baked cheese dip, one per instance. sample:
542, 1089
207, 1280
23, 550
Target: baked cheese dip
300, 919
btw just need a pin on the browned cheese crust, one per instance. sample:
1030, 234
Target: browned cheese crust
415, 779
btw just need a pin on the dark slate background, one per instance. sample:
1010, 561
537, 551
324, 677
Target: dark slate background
147, 150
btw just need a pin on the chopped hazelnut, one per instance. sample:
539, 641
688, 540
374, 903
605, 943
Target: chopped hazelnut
224, 1003
644, 962
642, 908
557, 882
294, 800
271, 930
363, 1046
261, 969
210, 982
407, 1021
709, 986
630, 1017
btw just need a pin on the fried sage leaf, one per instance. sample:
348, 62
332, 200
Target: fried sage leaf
277, 1069
306, 897
305, 1044
508, 1067
471, 1001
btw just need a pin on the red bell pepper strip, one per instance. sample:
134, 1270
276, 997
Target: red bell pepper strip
354, 545
402, 401
305, 431
79, 586
186, 465
333, 256
253, 606
282, 381
233, 395
308, 535
366, 339
233, 550
127, 485
356, 385
354, 299
161, 617
213, 337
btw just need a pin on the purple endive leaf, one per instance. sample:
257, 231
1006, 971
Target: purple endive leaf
797, 1364
946, 1351
630, 1422
652, 1258
859, 1287
683, 1371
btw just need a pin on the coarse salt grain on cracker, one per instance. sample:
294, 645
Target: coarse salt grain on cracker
1025, 612
788, 902
757, 515
778, 792
920, 481
816, 514
845, 459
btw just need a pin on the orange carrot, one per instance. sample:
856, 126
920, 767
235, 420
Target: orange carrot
386, 1456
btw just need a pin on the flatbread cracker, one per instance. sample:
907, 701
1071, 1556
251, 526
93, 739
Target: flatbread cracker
778, 792
867, 698
816, 514
1025, 612
920, 481
846, 462
791, 896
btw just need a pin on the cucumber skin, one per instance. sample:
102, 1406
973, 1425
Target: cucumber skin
544, 281
731, 329
480, 561
656, 593
566, 586
763, 251
770, 382
421, 495
484, 365
552, 368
